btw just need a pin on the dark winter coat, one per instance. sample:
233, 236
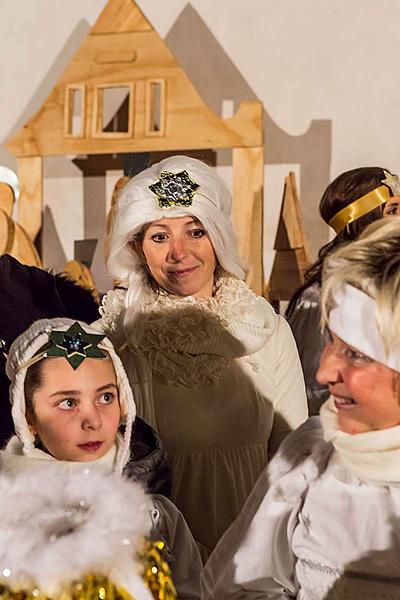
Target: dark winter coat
304, 315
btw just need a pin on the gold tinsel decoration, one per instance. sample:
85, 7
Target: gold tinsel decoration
91, 587
156, 575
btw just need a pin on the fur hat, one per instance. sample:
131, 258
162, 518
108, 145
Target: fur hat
138, 205
26, 346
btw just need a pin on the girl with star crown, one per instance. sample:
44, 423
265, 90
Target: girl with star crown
77, 522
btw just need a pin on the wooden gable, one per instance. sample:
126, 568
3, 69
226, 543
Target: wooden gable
123, 92
123, 53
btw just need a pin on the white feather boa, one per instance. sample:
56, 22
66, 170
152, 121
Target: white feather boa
56, 527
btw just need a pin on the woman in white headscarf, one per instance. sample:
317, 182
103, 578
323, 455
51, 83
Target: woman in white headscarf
324, 520
215, 370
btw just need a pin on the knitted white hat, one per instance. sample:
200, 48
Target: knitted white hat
26, 346
138, 205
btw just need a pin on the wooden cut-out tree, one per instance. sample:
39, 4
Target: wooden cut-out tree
123, 92
292, 257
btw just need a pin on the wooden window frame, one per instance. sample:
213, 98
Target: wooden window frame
68, 110
97, 131
148, 131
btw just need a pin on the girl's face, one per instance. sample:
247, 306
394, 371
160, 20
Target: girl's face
366, 393
76, 413
180, 256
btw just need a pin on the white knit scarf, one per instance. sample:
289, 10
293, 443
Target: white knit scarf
191, 341
373, 456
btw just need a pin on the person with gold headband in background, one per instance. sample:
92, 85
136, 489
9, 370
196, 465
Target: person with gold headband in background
352, 201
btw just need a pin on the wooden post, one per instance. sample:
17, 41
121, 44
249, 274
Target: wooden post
30, 174
248, 200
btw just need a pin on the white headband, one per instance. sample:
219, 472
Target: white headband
353, 320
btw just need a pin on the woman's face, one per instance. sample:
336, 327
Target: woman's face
392, 207
76, 412
366, 393
180, 256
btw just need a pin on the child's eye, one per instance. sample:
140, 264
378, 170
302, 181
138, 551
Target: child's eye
106, 398
197, 233
67, 404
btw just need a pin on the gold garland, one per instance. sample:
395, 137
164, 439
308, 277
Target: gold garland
156, 575
91, 587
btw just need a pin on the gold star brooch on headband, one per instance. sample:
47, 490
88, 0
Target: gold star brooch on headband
393, 182
174, 189
75, 345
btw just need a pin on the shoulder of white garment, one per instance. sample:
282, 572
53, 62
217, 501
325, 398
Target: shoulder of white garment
304, 446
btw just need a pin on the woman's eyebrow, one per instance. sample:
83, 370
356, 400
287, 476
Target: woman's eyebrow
163, 225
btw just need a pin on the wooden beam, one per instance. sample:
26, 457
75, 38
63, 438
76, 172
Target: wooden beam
30, 175
248, 199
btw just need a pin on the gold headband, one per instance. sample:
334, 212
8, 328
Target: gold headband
360, 207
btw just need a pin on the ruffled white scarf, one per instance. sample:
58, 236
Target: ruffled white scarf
191, 341
372, 456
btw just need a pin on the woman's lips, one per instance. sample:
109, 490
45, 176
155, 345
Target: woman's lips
181, 273
90, 446
343, 403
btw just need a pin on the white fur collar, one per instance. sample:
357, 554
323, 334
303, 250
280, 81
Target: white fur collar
191, 341
14, 462
56, 527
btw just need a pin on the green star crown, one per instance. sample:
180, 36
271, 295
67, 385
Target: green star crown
75, 345
174, 189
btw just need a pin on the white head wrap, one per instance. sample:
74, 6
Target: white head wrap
27, 346
353, 320
138, 205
